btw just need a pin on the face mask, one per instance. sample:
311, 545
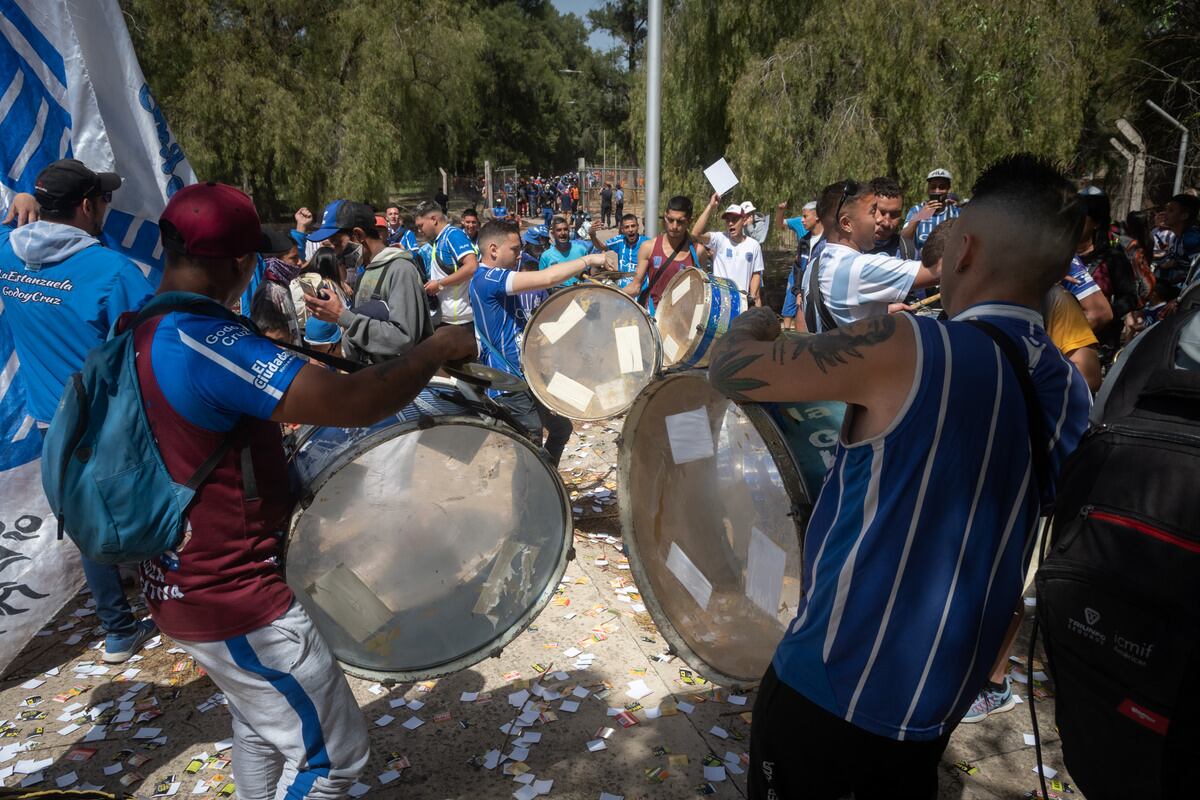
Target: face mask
351, 256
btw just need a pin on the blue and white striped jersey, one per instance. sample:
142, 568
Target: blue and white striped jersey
926, 226
858, 285
496, 310
1082, 284
918, 544
626, 254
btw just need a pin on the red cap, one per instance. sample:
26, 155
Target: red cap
210, 220
380, 221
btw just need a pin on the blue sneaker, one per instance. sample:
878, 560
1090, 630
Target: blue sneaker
118, 649
991, 702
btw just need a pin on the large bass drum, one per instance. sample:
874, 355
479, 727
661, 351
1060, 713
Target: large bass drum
426, 542
696, 309
589, 350
714, 498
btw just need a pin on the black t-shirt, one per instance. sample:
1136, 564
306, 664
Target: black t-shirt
606, 196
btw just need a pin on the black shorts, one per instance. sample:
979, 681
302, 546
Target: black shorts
799, 751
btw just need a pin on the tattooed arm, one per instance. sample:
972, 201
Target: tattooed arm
318, 396
869, 363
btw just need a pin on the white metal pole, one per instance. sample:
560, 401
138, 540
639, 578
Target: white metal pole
1183, 143
653, 111
1127, 200
487, 184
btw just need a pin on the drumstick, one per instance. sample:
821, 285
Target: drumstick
933, 298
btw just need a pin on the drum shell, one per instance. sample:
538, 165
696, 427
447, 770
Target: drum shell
317, 463
535, 355
722, 301
801, 476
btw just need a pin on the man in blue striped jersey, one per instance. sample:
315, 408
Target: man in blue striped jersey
924, 217
495, 291
906, 599
625, 245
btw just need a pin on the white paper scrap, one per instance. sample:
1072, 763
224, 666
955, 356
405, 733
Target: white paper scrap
1049, 772
32, 683
1030, 740
113, 769
398, 702
358, 790
517, 699
596, 745
689, 575
714, 774
543, 787
629, 348
686, 708
681, 289
412, 723
720, 176
518, 754
580, 691
569, 391
737, 699
638, 689
526, 792
765, 565
384, 721
570, 706
571, 652
387, 777
416, 705
63, 781
719, 732
468, 697
690, 436
670, 349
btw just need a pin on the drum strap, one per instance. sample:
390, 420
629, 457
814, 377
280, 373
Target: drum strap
344, 364
816, 303
662, 270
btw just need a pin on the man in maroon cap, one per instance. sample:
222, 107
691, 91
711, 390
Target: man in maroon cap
222, 596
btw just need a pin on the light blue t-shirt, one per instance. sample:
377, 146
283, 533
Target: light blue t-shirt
62, 307
553, 255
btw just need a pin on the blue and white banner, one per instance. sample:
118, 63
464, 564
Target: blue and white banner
70, 87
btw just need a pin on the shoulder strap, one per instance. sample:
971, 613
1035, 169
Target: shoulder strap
491, 348
908, 250
1039, 442
658, 274
816, 303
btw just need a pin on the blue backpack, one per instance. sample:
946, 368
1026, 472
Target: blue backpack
101, 468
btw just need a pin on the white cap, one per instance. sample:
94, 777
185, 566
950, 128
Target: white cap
734, 209
939, 173
748, 207
811, 205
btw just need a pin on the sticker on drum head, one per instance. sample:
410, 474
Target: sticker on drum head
614, 394
698, 317
765, 566
342, 595
569, 318
569, 391
670, 349
680, 291
689, 575
629, 348
690, 436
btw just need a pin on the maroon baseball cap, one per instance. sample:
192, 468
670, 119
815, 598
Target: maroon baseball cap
210, 220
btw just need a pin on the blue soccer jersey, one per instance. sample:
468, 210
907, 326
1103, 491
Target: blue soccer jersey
212, 371
918, 544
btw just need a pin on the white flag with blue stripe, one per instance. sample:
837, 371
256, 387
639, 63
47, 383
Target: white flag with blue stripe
70, 87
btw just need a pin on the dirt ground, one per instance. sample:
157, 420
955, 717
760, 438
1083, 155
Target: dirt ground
176, 737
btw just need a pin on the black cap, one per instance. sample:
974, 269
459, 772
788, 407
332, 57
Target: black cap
275, 241
64, 184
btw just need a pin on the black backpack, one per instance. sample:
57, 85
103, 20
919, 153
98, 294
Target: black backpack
1119, 591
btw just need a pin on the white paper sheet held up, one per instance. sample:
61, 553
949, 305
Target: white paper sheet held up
721, 176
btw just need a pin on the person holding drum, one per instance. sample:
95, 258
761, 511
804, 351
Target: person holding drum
736, 256
906, 599
222, 595
495, 292
660, 258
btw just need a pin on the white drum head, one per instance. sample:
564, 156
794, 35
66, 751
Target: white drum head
707, 513
681, 314
588, 351
420, 552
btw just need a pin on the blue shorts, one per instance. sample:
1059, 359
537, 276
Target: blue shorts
789, 299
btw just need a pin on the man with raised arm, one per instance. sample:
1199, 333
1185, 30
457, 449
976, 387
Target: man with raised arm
918, 544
